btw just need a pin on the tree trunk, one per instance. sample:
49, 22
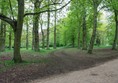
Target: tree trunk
94, 30
2, 30
73, 40
48, 26
10, 36
84, 42
98, 41
36, 34
27, 37
116, 31
43, 37
36, 27
33, 38
55, 30
65, 39
17, 33
2, 36
79, 38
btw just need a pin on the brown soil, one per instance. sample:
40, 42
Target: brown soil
61, 61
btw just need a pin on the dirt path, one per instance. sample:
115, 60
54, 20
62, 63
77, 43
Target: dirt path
105, 73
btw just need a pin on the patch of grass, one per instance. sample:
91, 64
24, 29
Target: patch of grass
45, 52
6, 65
102, 46
41, 52
9, 62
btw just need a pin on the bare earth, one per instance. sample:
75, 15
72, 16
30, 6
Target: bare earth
105, 73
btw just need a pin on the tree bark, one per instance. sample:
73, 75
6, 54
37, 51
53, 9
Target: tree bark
84, 42
27, 36
17, 40
48, 26
43, 36
55, 29
94, 30
36, 26
36, 33
2, 36
98, 41
10, 37
33, 38
65, 39
79, 38
73, 40
116, 31
2, 31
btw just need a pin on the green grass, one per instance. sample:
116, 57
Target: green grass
7, 64
101, 46
43, 52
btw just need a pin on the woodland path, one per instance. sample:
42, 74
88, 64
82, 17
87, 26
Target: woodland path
105, 73
63, 66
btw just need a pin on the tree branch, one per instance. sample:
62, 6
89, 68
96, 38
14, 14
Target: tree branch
11, 9
47, 10
50, 5
106, 6
8, 20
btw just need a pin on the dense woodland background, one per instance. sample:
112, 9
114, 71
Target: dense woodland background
43, 24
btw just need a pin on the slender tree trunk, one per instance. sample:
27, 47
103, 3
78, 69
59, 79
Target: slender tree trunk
116, 31
43, 37
84, 42
36, 33
2, 31
55, 29
65, 39
48, 26
73, 40
27, 37
79, 34
79, 38
98, 41
94, 30
10, 36
36, 26
18, 31
33, 39
2, 36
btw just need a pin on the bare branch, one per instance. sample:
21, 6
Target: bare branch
102, 8
43, 11
11, 9
56, 1
50, 5
8, 20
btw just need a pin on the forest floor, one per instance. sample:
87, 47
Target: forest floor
57, 62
